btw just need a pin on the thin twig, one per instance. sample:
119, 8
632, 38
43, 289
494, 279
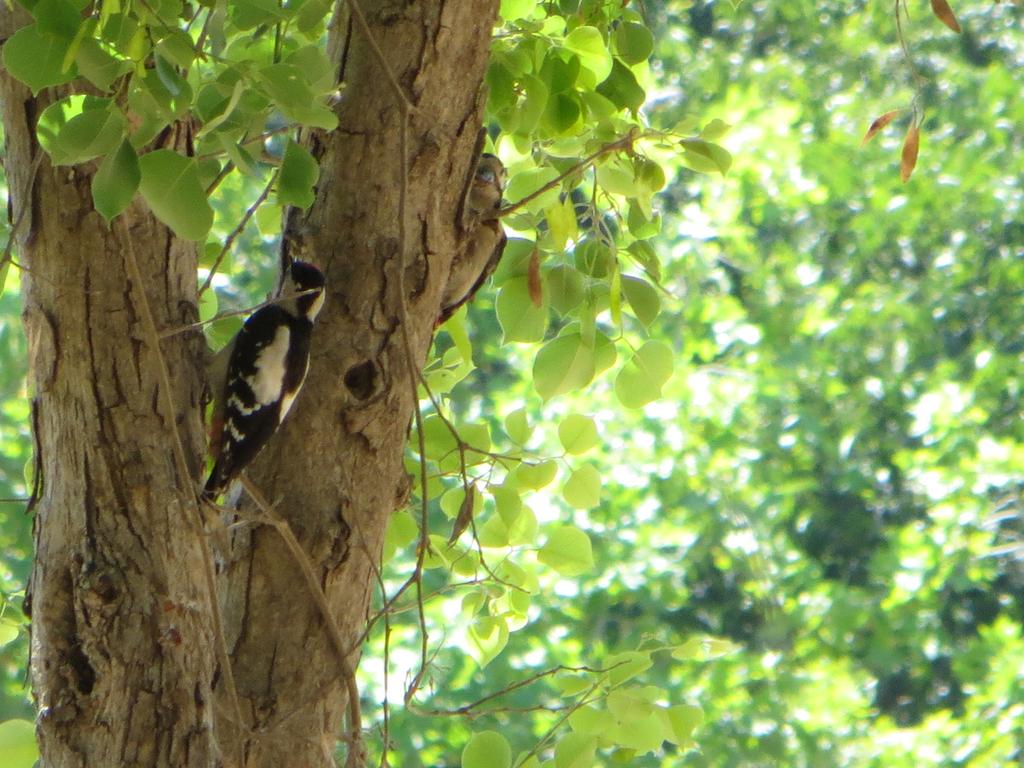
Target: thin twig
25, 205
582, 701
259, 138
410, 362
233, 313
280, 525
221, 175
185, 478
250, 211
622, 143
468, 708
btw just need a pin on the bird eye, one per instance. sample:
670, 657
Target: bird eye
485, 174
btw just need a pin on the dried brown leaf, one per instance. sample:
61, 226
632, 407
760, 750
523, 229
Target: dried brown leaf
908, 158
465, 516
533, 283
945, 14
878, 124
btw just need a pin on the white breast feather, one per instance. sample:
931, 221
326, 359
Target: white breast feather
270, 368
289, 398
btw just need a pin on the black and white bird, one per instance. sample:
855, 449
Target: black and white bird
475, 263
259, 374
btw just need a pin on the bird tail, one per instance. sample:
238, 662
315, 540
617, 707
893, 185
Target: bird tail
216, 483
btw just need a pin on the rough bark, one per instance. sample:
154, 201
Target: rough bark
123, 651
336, 473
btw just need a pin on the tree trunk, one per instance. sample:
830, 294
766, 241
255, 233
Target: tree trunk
122, 647
336, 473
123, 644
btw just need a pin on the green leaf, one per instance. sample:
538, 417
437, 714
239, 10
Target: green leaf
575, 750
562, 365
595, 61
521, 320
633, 42
641, 379
488, 637
248, 14
299, 174
512, 10
170, 184
18, 744
501, 86
317, 67
642, 297
494, 533
487, 749
115, 183
533, 106
289, 88
705, 157
567, 551
517, 427
152, 106
625, 666
536, 476
268, 219
583, 488
524, 184
633, 703
37, 59
57, 18
590, 720
617, 178
645, 734
178, 48
622, 89
615, 297
558, 74
97, 65
402, 530
242, 159
563, 286
78, 128
577, 433
220, 332
561, 218
573, 685
683, 720
8, 631
593, 257
437, 438
311, 15
715, 130
562, 112
93, 133
207, 305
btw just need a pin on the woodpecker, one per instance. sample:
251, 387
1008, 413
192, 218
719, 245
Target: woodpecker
474, 264
262, 370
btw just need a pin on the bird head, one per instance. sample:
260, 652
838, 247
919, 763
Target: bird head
488, 184
305, 279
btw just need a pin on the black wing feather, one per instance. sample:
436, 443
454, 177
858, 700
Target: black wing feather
248, 424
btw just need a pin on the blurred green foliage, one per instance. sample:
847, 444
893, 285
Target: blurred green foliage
755, 448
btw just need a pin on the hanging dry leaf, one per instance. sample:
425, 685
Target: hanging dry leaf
878, 124
945, 14
533, 283
908, 158
465, 516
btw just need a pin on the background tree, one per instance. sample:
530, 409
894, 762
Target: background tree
825, 491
